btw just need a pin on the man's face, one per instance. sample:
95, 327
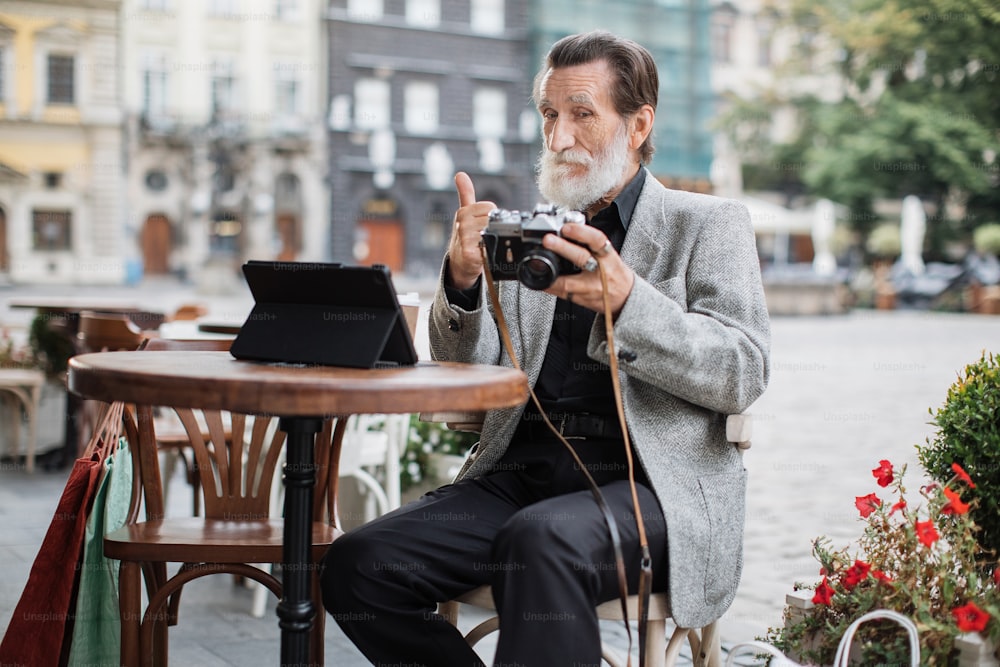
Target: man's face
586, 155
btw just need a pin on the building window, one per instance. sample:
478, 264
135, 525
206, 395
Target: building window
223, 89
61, 79
723, 25
423, 13
365, 10
287, 91
763, 46
287, 10
51, 229
487, 16
371, 104
489, 109
421, 108
53, 179
223, 8
765, 38
154, 85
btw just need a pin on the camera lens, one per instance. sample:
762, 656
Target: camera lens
538, 269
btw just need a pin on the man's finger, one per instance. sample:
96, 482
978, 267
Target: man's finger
466, 191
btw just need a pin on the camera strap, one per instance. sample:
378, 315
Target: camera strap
646, 571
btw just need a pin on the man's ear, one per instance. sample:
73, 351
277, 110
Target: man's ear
640, 125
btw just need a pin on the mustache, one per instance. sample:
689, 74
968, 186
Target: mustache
568, 157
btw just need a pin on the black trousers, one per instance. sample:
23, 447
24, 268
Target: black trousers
531, 530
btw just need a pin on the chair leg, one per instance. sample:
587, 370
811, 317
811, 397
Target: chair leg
656, 643
129, 603
711, 649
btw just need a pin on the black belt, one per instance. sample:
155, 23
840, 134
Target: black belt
571, 425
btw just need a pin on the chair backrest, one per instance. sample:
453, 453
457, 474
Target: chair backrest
236, 471
107, 331
236, 455
189, 311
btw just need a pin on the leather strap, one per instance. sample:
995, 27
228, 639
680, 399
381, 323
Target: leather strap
645, 575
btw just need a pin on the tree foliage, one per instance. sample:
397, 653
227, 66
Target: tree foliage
916, 113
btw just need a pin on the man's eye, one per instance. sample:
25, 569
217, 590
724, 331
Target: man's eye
549, 115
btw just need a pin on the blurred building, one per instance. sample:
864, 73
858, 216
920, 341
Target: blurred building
226, 148
61, 189
418, 90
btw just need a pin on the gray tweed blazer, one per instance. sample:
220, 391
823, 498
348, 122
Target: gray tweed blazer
693, 341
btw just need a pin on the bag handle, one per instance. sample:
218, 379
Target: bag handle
104, 440
778, 659
844, 648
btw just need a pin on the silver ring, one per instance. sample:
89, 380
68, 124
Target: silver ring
590, 265
604, 249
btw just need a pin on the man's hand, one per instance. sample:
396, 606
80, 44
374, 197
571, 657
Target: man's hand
585, 288
465, 259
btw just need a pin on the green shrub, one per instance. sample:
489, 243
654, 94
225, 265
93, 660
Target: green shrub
51, 349
968, 433
986, 239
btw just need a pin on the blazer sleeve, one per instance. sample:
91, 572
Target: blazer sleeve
697, 326
457, 334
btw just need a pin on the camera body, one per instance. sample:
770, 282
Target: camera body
514, 250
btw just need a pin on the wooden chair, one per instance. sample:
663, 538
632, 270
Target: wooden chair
108, 331
236, 531
171, 438
189, 311
705, 642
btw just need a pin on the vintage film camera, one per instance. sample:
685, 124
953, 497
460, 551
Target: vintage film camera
514, 248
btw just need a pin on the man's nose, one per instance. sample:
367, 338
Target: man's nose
561, 136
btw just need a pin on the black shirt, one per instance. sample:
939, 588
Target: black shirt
570, 381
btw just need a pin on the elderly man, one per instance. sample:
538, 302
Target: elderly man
692, 339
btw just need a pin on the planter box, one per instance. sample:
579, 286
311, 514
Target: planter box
974, 649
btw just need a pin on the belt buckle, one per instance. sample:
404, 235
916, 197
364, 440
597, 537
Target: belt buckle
562, 428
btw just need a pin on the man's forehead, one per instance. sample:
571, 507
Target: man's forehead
578, 84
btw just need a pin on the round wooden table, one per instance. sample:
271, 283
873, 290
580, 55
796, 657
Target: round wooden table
302, 396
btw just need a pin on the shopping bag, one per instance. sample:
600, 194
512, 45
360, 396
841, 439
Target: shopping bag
842, 658
41, 626
97, 625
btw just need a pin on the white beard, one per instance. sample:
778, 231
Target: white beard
561, 187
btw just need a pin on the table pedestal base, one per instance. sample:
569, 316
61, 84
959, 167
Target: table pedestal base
296, 609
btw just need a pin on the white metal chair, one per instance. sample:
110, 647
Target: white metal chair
370, 441
25, 385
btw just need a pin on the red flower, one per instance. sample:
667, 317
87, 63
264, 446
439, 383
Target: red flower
962, 475
970, 618
955, 504
883, 473
855, 574
927, 533
901, 505
996, 576
882, 576
867, 504
824, 593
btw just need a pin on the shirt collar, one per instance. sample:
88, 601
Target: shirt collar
624, 203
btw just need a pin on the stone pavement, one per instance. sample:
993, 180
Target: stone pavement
845, 392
